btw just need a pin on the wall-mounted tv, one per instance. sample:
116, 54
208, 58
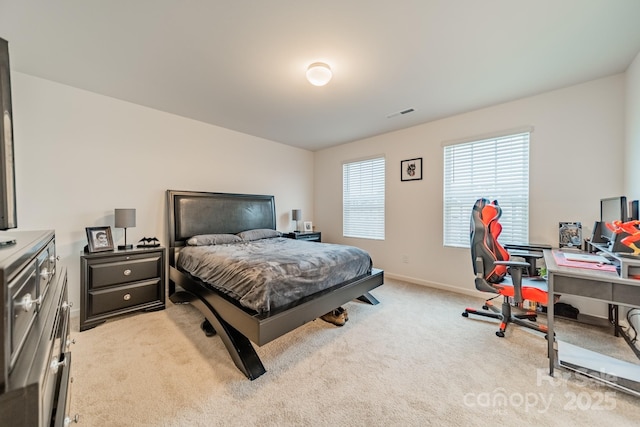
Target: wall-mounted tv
8, 217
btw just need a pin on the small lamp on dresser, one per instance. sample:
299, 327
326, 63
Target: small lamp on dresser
125, 218
296, 215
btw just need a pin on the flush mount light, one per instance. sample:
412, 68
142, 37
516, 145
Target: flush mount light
319, 74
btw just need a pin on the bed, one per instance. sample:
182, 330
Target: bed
237, 323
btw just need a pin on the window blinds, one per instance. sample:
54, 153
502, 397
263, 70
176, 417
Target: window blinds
496, 169
363, 198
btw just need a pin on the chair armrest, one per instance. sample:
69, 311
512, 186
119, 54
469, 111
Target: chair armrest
512, 263
530, 257
515, 271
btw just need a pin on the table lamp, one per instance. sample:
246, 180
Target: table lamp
125, 218
296, 215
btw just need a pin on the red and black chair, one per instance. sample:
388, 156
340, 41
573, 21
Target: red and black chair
498, 274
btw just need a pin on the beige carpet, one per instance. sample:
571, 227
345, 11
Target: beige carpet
412, 360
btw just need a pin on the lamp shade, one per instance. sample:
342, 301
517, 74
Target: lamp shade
296, 214
125, 218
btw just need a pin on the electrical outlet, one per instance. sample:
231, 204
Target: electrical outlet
405, 259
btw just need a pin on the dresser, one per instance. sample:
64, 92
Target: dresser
121, 281
35, 358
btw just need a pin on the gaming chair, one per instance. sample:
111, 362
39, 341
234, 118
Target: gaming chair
496, 273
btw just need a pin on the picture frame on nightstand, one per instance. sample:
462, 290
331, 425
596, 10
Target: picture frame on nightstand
308, 227
99, 239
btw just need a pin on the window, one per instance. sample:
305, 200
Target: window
363, 199
494, 168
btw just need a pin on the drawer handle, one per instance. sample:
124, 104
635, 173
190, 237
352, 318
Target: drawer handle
55, 365
71, 419
66, 305
127, 272
126, 297
27, 303
44, 273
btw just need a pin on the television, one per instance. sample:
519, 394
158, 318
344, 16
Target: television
612, 209
8, 216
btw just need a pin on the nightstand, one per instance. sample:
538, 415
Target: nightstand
121, 281
311, 237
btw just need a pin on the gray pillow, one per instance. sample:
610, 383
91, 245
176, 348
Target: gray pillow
213, 239
259, 233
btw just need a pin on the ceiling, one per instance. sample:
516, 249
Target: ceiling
241, 64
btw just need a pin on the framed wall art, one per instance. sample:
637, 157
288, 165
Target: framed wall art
99, 239
570, 234
411, 170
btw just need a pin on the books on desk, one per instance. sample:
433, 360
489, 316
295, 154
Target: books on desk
563, 260
582, 257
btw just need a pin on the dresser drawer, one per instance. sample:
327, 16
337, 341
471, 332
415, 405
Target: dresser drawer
123, 297
124, 270
24, 304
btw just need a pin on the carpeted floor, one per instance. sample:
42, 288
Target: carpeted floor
412, 360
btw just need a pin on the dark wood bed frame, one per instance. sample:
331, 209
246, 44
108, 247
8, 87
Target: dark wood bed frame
191, 213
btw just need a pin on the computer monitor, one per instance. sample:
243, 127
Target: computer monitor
612, 209
633, 210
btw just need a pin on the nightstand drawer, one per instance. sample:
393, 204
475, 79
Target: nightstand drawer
123, 297
312, 236
124, 270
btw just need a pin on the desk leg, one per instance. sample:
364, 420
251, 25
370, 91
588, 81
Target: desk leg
550, 334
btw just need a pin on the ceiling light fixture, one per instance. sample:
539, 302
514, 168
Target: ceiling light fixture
319, 74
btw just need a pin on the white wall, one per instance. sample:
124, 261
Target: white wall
79, 155
576, 158
632, 127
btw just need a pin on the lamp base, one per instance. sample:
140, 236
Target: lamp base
121, 247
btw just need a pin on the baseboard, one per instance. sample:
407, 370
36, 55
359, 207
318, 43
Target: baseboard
596, 320
442, 286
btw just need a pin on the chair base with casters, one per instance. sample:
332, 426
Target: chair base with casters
506, 316
530, 289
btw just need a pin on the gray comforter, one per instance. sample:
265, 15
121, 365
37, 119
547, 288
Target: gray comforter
270, 273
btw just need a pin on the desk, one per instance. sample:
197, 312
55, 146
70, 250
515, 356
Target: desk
605, 286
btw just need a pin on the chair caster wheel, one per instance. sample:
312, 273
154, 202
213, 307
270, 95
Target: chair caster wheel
485, 307
500, 334
465, 314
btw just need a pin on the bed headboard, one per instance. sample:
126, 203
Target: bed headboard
191, 213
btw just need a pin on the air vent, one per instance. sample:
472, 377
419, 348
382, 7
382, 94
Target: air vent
399, 113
